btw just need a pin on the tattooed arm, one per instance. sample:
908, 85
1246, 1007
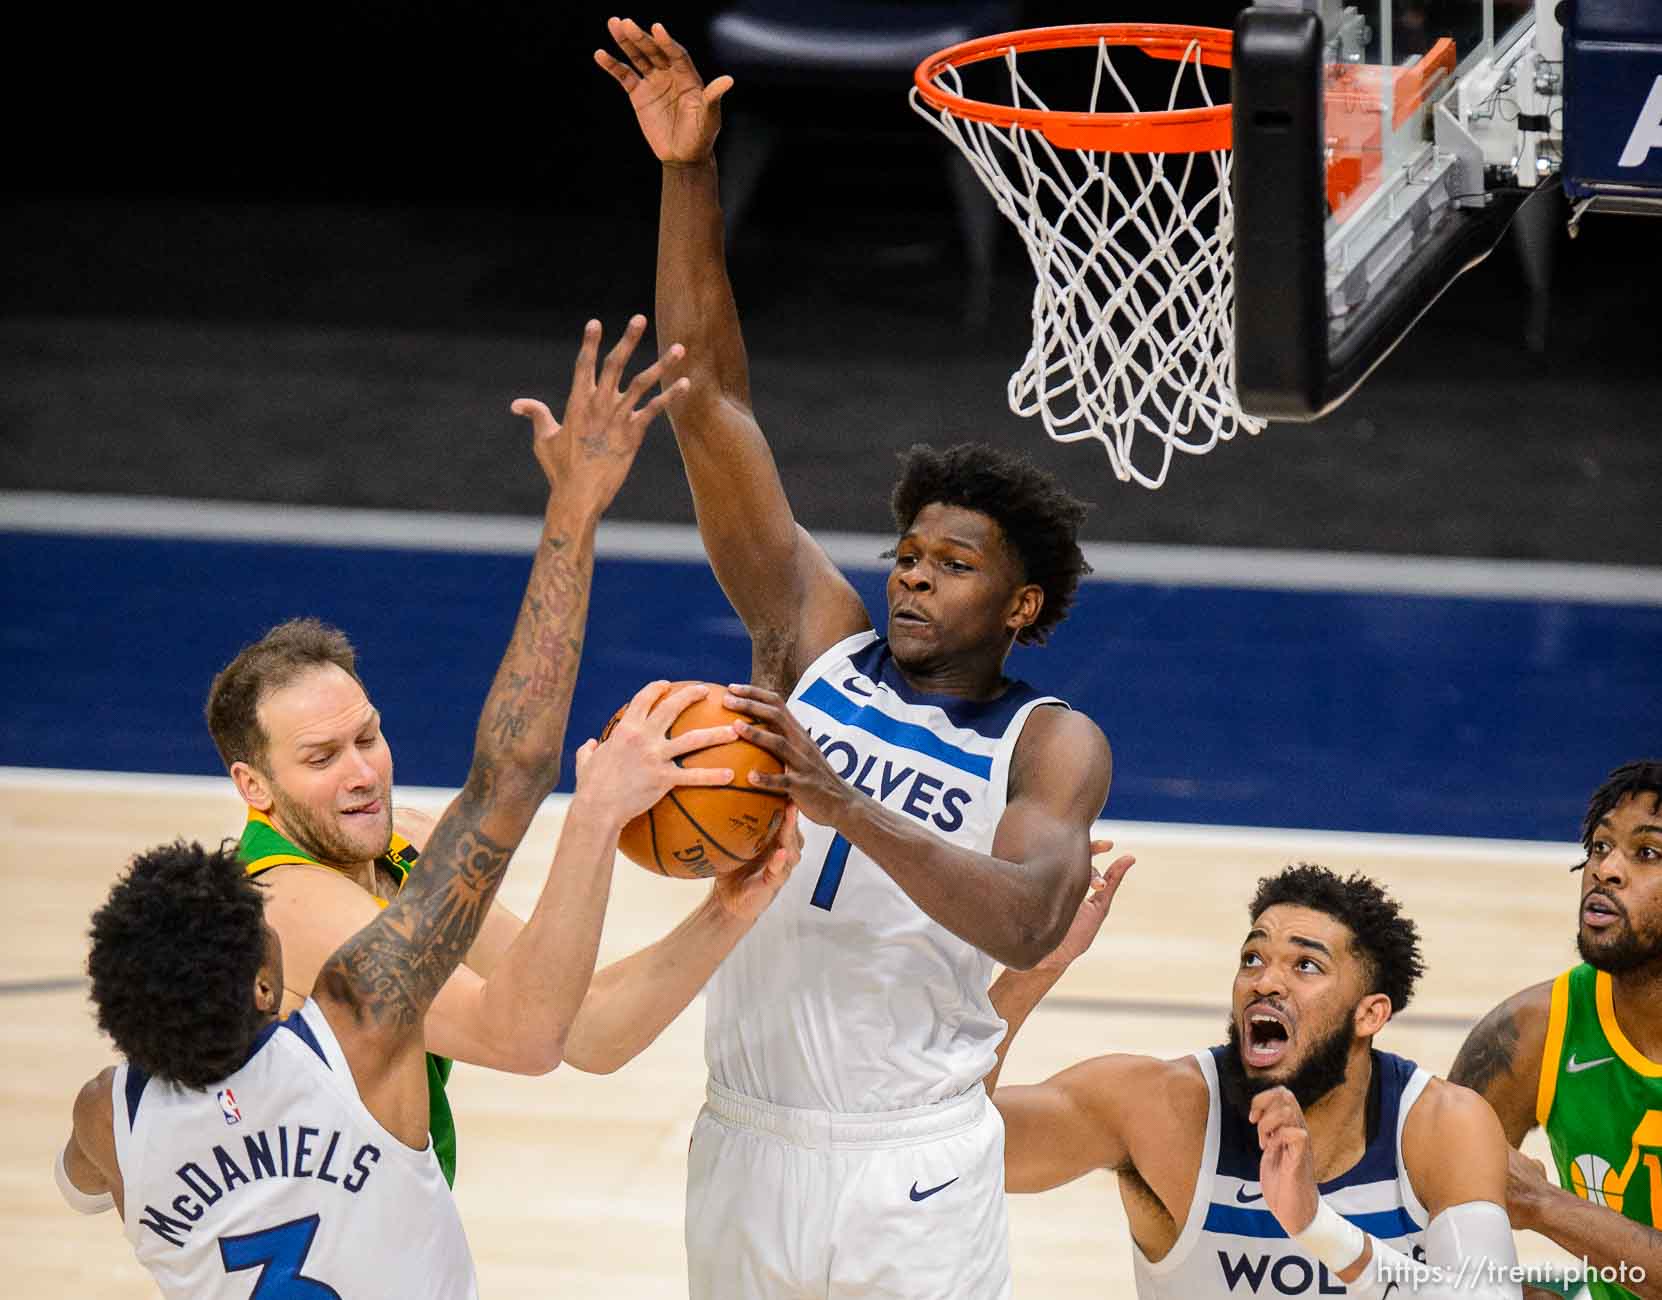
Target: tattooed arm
1501, 1058
376, 988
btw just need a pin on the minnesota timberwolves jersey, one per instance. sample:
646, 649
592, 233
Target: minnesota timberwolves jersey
279, 1182
845, 996
1231, 1245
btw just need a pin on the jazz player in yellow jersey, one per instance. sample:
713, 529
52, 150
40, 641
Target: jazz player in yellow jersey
1581, 1055
305, 747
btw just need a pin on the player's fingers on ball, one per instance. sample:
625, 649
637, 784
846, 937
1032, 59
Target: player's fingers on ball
668, 704
770, 780
761, 737
702, 738
641, 705
704, 776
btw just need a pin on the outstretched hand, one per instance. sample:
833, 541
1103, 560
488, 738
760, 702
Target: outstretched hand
587, 455
679, 115
1093, 909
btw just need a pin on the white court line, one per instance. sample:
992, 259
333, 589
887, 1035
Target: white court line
1190, 566
1125, 833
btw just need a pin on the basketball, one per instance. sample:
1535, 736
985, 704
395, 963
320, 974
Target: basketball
696, 832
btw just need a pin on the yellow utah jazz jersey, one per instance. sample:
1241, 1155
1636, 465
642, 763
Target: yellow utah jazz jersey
263, 847
1601, 1105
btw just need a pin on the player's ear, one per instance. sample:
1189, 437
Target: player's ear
1025, 604
1372, 1013
252, 786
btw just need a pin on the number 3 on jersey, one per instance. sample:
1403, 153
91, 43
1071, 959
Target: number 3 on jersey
831, 874
279, 1253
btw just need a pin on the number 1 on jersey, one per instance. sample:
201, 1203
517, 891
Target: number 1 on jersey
831, 874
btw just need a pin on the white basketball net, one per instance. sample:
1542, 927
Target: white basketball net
1133, 313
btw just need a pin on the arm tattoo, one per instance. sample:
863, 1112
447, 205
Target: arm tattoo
1487, 1052
390, 971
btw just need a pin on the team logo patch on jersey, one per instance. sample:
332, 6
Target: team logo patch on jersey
228, 1106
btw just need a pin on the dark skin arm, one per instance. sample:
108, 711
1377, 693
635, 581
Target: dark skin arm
1595, 1233
1501, 1058
1014, 903
792, 599
377, 987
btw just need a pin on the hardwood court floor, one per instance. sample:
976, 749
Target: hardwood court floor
571, 1184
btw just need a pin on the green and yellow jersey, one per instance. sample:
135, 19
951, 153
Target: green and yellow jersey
263, 847
1600, 1102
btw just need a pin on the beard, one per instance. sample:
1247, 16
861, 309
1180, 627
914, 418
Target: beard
1623, 954
316, 838
1322, 1071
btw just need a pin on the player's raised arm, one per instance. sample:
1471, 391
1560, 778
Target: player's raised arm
378, 985
792, 599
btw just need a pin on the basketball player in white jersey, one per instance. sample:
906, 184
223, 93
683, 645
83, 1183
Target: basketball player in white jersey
1298, 1159
255, 1157
847, 1148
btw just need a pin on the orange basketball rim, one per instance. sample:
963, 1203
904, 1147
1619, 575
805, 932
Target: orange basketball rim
1170, 130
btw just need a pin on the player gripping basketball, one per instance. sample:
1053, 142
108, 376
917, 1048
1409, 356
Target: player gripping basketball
847, 1147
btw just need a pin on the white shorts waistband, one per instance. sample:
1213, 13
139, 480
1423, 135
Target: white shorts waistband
824, 1129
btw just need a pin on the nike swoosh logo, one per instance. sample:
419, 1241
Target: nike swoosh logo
1240, 1195
925, 1195
1576, 1067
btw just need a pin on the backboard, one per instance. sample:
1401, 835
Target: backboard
1382, 147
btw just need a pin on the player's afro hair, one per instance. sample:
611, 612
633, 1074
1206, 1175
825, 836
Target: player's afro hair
175, 950
1643, 776
1387, 940
1039, 518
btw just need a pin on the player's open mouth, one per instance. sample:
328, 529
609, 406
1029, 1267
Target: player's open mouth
1599, 912
1268, 1035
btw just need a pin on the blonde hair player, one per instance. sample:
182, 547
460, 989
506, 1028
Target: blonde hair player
847, 1147
250, 1153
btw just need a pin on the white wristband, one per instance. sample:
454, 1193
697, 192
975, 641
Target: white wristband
77, 1200
1333, 1239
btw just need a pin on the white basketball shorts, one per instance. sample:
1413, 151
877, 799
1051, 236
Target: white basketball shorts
787, 1204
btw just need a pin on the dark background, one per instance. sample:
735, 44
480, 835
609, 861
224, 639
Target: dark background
307, 253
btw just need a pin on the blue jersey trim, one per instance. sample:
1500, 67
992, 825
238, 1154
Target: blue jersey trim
907, 735
1387, 1225
296, 1024
989, 718
136, 1079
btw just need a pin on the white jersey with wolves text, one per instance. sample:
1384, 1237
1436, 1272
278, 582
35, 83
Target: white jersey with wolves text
1231, 1245
845, 996
278, 1182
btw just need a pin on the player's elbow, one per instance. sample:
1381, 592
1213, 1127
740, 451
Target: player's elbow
536, 1059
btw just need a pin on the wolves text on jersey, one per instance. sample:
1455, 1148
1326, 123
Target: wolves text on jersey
925, 797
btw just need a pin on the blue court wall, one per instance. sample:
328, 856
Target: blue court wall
1343, 711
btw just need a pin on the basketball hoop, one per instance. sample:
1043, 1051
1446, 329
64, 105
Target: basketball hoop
1128, 221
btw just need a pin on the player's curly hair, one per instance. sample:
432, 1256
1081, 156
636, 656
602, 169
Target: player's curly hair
1642, 776
1040, 519
175, 950
269, 664
1386, 939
